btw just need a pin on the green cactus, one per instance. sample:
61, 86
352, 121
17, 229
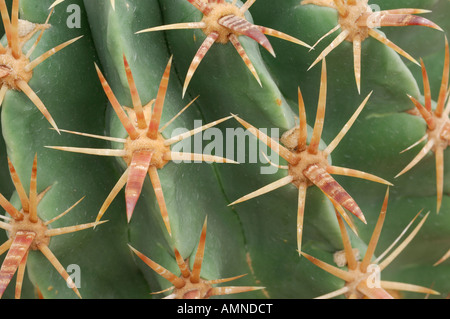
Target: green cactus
121, 71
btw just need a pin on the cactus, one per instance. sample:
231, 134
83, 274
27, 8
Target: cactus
116, 91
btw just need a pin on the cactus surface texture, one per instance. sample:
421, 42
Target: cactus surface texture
260, 149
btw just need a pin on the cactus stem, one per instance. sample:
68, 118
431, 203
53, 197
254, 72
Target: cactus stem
143, 139
19, 69
309, 166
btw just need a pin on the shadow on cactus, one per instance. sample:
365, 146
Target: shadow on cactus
145, 150
190, 285
16, 69
363, 277
28, 232
357, 22
222, 22
308, 165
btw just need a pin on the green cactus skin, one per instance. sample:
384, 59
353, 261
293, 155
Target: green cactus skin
257, 237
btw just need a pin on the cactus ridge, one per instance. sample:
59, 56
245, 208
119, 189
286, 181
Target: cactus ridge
28, 232
190, 285
16, 68
308, 165
361, 277
438, 126
145, 150
247, 238
357, 22
222, 22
